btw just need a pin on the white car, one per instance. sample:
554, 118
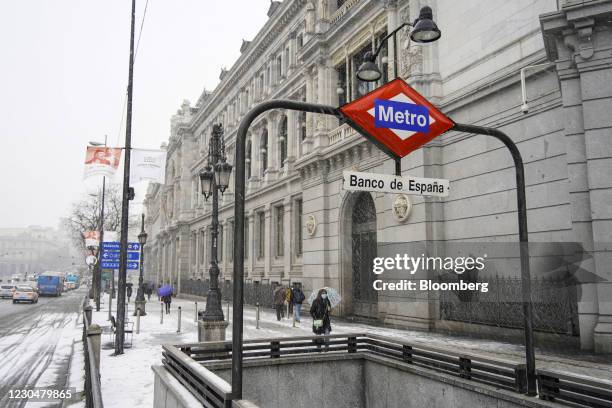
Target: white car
6, 291
25, 294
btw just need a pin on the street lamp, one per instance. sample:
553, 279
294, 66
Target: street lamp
140, 299
424, 30
211, 324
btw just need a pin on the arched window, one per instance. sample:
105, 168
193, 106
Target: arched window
282, 140
302, 126
248, 160
263, 151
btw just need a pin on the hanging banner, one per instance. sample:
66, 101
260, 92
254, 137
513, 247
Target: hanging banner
147, 165
92, 238
101, 161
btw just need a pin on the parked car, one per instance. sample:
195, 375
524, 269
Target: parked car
25, 294
6, 291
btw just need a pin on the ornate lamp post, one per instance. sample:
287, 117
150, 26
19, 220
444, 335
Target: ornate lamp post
424, 30
211, 324
140, 299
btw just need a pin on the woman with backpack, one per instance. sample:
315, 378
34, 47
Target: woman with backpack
319, 310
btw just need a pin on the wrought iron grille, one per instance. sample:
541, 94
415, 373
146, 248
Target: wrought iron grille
554, 304
262, 293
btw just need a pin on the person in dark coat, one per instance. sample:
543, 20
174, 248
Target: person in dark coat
129, 292
279, 302
297, 299
167, 299
149, 292
319, 310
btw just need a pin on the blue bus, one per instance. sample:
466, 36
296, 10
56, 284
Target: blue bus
51, 283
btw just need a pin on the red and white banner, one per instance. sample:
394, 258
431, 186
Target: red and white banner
101, 161
92, 238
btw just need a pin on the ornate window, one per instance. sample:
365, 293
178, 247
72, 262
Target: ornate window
248, 160
279, 217
261, 234
263, 151
282, 141
299, 224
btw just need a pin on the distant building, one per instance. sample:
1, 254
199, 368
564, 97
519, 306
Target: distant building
301, 226
32, 250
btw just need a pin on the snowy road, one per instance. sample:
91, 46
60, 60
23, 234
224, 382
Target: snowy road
36, 342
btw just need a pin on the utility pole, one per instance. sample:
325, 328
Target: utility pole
120, 335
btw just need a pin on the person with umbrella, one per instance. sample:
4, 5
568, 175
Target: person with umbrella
166, 296
319, 310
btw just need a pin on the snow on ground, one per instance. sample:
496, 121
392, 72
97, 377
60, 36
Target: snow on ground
127, 380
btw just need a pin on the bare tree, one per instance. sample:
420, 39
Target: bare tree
85, 214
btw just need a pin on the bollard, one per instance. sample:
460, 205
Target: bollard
228, 314
95, 334
257, 315
161, 315
138, 321
87, 313
195, 319
179, 320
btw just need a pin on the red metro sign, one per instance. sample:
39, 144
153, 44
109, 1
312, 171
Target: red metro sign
397, 117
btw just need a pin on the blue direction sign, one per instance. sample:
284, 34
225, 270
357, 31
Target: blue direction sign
111, 251
131, 256
111, 246
115, 265
116, 246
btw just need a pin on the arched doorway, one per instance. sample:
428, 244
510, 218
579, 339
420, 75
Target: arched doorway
363, 252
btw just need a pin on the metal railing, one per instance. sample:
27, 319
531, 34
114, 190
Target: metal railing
573, 389
202, 383
93, 389
183, 361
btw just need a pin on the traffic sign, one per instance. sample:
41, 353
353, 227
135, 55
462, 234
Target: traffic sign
116, 246
114, 264
131, 256
397, 117
385, 183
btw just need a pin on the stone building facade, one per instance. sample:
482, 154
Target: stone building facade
301, 226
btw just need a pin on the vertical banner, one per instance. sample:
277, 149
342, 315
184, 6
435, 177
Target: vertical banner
147, 165
101, 161
92, 238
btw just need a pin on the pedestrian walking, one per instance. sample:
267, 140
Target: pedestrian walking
319, 310
289, 301
158, 295
167, 299
279, 302
297, 298
129, 292
149, 292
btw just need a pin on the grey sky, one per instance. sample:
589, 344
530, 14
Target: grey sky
63, 77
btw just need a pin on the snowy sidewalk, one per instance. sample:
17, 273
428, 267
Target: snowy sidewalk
127, 380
